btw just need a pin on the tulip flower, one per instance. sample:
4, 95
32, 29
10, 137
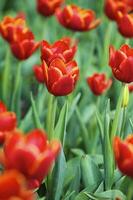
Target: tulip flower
48, 7
24, 45
38, 72
8, 122
98, 83
113, 7
76, 18
124, 155
31, 154
130, 87
13, 187
10, 26
125, 25
64, 48
121, 63
59, 77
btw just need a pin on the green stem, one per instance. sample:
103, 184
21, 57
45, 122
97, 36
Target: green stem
15, 104
52, 106
117, 114
6, 78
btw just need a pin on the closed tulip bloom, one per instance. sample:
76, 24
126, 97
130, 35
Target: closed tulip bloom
9, 26
64, 48
98, 83
76, 18
31, 154
48, 7
13, 187
113, 7
125, 25
60, 78
121, 63
124, 155
8, 122
24, 45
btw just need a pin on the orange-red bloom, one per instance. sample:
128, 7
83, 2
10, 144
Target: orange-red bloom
8, 121
60, 78
121, 62
76, 18
64, 49
13, 187
113, 7
98, 83
38, 72
9, 26
24, 45
31, 154
125, 25
124, 155
48, 7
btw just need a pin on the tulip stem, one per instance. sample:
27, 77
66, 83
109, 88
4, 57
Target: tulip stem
117, 114
15, 103
52, 105
6, 78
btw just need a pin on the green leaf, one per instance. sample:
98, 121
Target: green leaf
91, 174
111, 195
60, 129
131, 124
72, 177
35, 114
57, 177
108, 154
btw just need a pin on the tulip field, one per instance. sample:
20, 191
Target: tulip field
66, 100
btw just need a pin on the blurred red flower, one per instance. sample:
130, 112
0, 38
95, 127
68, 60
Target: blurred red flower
10, 26
64, 48
60, 78
48, 7
8, 122
76, 18
130, 87
125, 24
124, 155
113, 7
13, 186
24, 45
98, 83
121, 62
31, 154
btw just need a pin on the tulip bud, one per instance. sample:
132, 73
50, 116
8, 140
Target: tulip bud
125, 97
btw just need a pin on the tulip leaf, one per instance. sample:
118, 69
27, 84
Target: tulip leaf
91, 174
35, 114
58, 176
131, 124
60, 129
108, 154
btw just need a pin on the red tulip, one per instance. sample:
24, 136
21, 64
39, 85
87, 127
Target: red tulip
8, 122
59, 77
24, 45
124, 155
121, 62
113, 7
98, 83
48, 7
32, 155
38, 72
10, 26
76, 18
125, 25
13, 187
130, 87
64, 49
